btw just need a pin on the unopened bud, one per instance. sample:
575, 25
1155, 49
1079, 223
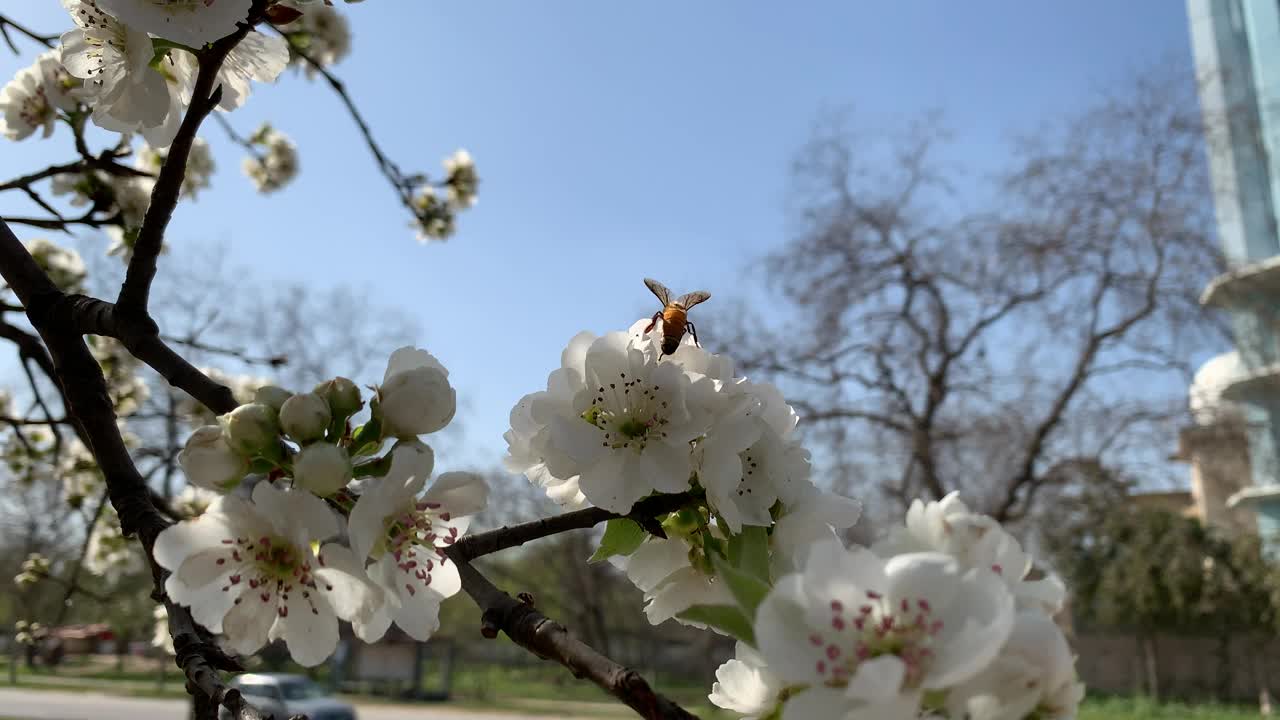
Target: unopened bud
272, 396
305, 416
209, 462
343, 396
252, 428
322, 468
416, 397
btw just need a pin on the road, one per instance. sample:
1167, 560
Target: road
85, 705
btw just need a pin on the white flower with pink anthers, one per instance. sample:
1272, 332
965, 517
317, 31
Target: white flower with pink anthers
404, 535
866, 637
249, 572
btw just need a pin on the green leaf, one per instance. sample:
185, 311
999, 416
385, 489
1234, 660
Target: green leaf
621, 537
367, 438
749, 552
722, 617
747, 590
373, 468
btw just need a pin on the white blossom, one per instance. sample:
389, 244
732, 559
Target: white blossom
109, 553
81, 477
1034, 676
629, 429
192, 501
200, 165
64, 266
529, 439
248, 572
866, 637
160, 637
814, 516
194, 23
434, 218
415, 397
975, 541
113, 60
404, 536
276, 165
461, 180
257, 58
321, 32
32, 99
745, 685
671, 584
132, 197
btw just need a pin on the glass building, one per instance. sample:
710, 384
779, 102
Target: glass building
1236, 45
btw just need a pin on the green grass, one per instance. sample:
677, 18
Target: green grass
1137, 708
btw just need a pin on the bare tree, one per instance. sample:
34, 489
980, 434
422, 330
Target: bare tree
941, 334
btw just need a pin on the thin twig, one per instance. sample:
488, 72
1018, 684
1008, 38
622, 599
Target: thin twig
6, 23
241, 355
403, 185
485, 543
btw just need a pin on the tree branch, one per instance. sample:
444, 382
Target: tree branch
84, 390
506, 537
135, 291
547, 638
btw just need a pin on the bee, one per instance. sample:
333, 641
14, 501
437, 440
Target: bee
674, 315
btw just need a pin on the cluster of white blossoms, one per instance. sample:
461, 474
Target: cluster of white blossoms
109, 554
34, 569
330, 527
275, 162
133, 66
940, 619
199, 171
64, 266
26, 633
320, 31
436, 214
32, 99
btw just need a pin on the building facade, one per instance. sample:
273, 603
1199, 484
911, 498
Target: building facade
1236, 45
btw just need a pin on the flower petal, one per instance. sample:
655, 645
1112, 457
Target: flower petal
246, 626
308, 627
459, 493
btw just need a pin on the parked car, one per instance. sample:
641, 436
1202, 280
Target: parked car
286, 695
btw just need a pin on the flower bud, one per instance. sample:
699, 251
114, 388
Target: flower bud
415, 397
252, 428
271, 396
305, 416
322, 468
209, 462
343, 396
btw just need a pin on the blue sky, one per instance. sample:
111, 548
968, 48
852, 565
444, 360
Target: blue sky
614, 141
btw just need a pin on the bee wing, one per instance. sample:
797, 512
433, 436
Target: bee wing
688, 300
659, 289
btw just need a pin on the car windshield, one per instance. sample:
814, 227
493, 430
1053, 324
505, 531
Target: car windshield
300, 690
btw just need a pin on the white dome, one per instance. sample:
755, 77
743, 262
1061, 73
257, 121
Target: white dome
1205, 395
